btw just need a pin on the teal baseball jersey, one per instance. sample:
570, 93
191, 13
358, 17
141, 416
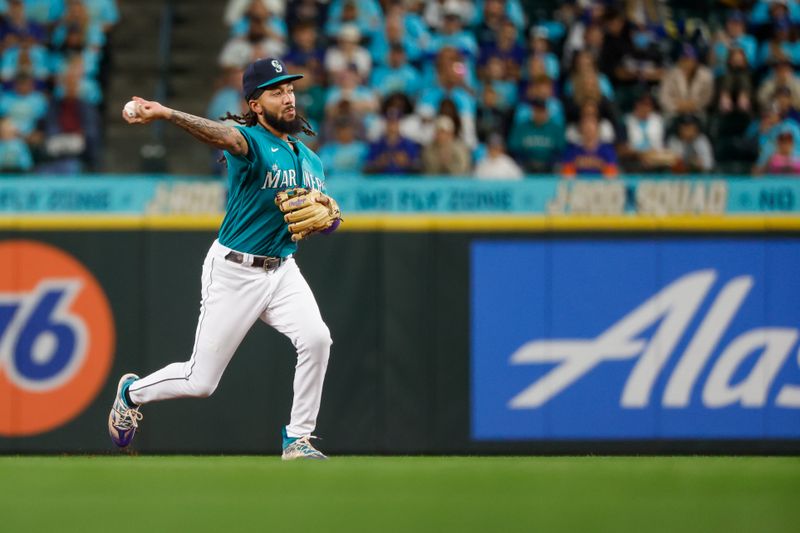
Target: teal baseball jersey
253, 224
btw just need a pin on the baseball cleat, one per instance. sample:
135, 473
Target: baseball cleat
299, 448
123, 420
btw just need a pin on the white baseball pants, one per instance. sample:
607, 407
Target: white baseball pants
234, 296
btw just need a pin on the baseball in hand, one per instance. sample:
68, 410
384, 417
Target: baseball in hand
130, 109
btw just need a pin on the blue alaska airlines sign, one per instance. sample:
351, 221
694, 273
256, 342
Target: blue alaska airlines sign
636, 339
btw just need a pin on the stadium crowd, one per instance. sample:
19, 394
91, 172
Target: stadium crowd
53, 67
484, 88
490, 88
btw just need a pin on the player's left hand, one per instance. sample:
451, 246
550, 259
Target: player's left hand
308, 212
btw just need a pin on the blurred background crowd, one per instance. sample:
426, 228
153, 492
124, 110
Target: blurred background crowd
485, 88
53, 70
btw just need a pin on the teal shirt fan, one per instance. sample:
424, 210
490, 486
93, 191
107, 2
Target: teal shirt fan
253, 223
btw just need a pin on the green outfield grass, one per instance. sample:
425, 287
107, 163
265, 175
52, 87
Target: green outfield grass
381, 494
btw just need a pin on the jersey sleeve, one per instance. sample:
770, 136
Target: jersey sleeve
251, 148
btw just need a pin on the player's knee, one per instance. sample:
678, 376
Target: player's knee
319, 342
201, 389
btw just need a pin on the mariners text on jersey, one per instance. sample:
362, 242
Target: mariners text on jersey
253, 223
278, 178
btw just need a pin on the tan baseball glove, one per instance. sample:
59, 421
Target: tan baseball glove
308, 212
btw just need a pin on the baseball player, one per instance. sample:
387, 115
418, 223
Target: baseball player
276, 198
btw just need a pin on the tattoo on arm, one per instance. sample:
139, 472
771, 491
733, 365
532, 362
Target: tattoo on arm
210, 132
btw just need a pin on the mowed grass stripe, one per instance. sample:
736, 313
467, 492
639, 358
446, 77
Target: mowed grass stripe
463, 494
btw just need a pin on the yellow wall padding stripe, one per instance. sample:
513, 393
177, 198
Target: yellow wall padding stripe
426, 223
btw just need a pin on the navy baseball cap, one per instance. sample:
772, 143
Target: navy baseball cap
263, 73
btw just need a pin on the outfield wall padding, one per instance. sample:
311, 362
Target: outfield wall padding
400, 378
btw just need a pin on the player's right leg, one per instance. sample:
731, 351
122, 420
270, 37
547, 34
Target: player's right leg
233, 296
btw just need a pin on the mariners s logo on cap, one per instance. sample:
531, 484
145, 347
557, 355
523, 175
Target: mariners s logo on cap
264, 73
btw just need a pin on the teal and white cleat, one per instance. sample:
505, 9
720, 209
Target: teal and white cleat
299, 448
123, 420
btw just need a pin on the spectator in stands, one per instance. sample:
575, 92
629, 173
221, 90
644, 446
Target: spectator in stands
76, 30
691, 147
452, 33
228, 95
492, 117
538, 142
28, 58
650, 13
392, 35
586, 78
780, 45
540, 46
435, 11
512, 9
617, 44
497, 164
786, 106
645, 128
495, 76
576, 39
449, 59
397, 75
734, 35
410, 123
236, 10
305, 51
44, 12
688, 87
464, 122
446, 154
762, 134
80, 38
593, 40
89, 90
348, 52
591, 158
785, 159
766, 12
345, 155
342, 110
400, 29
366, 15
72, 130
15, 156
258, 35
393, 154
487, 30
637, 61
586, 91
348, 87
450, 85
26, 107
304, 12
16, 26
540, 88
735, 84
606, 128
508, 48
309, 93
262, 20
103, 12
784, 76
